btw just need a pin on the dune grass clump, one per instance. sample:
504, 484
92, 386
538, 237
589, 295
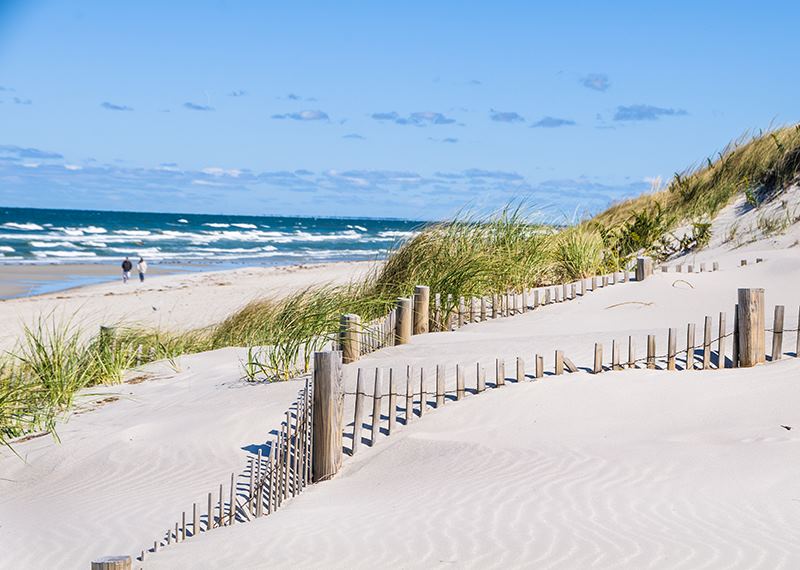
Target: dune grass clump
758, 166
470, 255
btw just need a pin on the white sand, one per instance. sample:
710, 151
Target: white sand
173, 302
637, 469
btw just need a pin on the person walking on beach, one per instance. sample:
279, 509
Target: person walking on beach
126, 270
141, 267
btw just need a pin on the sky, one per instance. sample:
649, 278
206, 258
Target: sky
405, 110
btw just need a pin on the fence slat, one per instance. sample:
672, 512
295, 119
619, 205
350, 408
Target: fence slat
376, 406
707, 344
392, 403
409, 412
423, 397
690, 346
499, 372
559, 362
480, 381
651, 351
358, 415
459, 382
777, 333
539, 366
672, 346
631, 353
615, 365
520, 369
598, 358
440, 376
721, 342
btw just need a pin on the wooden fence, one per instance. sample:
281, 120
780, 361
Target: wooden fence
308, 445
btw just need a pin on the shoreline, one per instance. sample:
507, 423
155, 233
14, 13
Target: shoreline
31, 280
170, 301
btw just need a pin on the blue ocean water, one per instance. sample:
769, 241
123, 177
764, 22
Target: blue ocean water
30, 235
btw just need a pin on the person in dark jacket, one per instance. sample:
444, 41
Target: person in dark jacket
126, 270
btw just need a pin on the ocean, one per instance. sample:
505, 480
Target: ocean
31, 236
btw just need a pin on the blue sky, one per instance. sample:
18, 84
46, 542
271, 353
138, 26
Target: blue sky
412, 109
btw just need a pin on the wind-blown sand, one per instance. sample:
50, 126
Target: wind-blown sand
634, 469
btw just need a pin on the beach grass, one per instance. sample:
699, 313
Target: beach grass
470, 255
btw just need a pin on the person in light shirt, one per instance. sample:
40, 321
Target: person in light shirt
141, 267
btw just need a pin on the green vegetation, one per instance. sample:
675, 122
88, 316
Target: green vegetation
468, 256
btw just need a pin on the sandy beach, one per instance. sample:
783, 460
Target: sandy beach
627, 470
178, 301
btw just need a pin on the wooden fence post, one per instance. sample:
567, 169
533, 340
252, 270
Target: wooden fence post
480, 381
440, 375
715, 266
459, 382
358, 414
777, 333
559, 362
735, 349
422, 302
328, 411
615, 365
539, 366
499, 372
721, 342
598, 358
707, 344
392, 402
644, 268
751, 327
671, 348
690, 346
350, 337
112, 563
377, 394
631, 353
520, 369
651, 351
402, 331
797, 342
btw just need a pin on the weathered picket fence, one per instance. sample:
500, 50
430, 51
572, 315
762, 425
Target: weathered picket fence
308, 446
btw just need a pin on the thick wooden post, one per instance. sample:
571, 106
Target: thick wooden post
350, 337
328, 411
777, 333
644, 268
520, 369
112, 563
751, 327
539, 366
402, 331
422, 302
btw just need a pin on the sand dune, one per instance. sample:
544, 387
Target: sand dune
634, 469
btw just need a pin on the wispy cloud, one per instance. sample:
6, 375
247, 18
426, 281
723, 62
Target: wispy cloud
114, 107
197, 107
596, 81
552, 123
418, 119
23, 152
237, 93
645, 113
19, 101
446, 140
311, 115
293, 97
506, 116
354, 136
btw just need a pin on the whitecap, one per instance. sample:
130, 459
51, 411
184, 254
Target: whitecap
217, 225
7, 248
183, 221
245, 226
133, 233
52, 244
64, 254
27, 226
